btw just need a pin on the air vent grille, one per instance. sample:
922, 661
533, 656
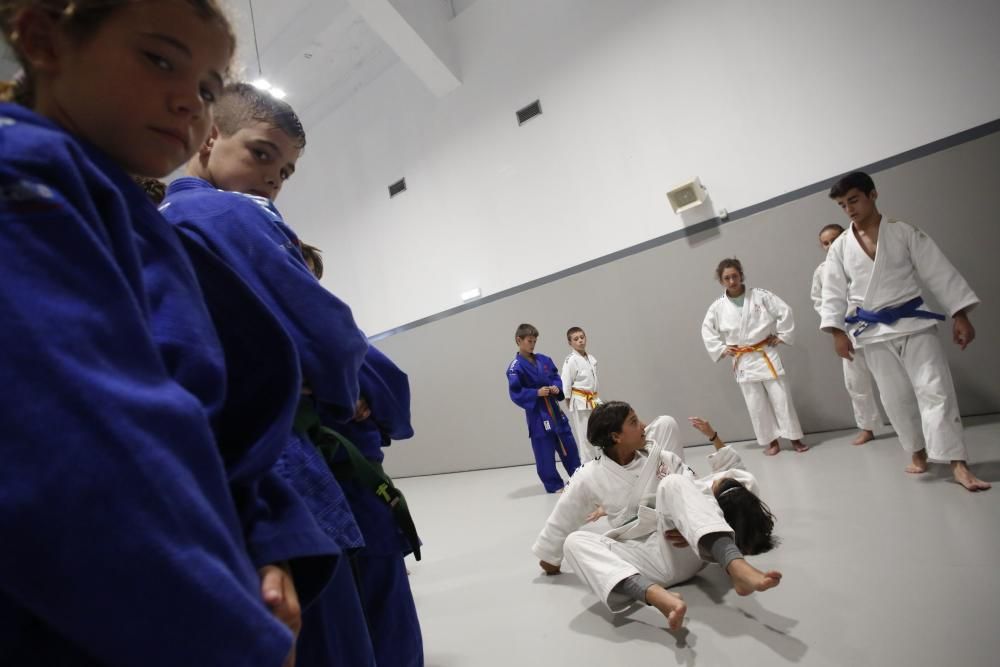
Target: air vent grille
397, 187
529, 112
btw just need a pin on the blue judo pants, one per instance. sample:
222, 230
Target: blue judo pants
383, 584
334, 631
545, 447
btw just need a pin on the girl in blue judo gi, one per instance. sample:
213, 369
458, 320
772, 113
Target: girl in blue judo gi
140, 498
534, 384
252, 152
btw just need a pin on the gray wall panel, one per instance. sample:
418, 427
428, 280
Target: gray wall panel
643, 312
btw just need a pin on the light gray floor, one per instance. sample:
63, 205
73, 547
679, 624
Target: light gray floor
880, 568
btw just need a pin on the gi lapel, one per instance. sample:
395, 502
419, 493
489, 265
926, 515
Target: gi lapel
748, 299
645, 475
862, 257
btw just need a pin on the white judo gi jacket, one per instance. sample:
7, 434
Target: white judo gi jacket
762, 314
629, 497
904, 255
816, 291
579, 372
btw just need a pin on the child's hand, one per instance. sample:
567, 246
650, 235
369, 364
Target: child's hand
278, 592
963, 332
545, 391
772, 341
361, 410
702, 425
596, 514
676, 539
549, 568
730, 351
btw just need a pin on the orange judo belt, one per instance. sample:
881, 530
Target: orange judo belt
750, 349
588, 395
552, 414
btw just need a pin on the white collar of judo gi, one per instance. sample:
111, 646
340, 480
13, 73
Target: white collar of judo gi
750, 298
651, 468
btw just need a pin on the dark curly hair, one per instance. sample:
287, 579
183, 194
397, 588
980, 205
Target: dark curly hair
606, 420
748, 516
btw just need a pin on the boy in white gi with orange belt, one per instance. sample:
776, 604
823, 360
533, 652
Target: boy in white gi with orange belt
579, 380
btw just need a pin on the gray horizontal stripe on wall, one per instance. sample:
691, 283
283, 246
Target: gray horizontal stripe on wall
907, 156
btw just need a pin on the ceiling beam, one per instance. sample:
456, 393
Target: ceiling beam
417, 30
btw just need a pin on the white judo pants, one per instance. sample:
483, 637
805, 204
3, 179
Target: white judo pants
861, 388
578, 423
771, 410
602, 562
918, 394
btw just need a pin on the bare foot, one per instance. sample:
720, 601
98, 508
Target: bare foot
863, 437
800, 446
669, 604
772, 449
748, 579
965, 477
918, 463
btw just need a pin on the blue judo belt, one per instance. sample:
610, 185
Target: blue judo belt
891, 314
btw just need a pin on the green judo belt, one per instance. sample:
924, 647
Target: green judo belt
368, 473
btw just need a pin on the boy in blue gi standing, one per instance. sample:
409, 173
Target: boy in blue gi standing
534, 385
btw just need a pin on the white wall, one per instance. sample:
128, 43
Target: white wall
646, 335
638, 95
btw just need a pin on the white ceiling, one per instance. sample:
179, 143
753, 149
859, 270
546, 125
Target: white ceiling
321, 52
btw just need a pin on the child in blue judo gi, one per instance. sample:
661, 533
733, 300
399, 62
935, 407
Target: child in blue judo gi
252, 152
139, 500
298, 464
382, 415
534, 384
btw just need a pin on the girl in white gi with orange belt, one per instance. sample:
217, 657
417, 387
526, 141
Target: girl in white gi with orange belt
747, 324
